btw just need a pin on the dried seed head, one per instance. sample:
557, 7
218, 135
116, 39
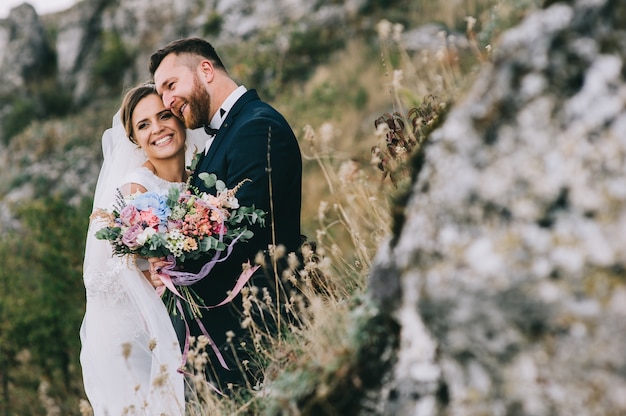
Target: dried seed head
309, 135
384, 29
398, 28
126, 349
471, 22
202, 342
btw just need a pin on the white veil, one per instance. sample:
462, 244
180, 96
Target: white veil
123, 366
121, 157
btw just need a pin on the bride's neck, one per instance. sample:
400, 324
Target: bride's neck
171, 171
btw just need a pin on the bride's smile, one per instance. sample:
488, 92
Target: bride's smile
162, 140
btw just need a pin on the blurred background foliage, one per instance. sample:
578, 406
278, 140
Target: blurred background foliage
332, 83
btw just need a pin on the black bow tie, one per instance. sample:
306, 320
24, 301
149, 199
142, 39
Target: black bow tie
210, 130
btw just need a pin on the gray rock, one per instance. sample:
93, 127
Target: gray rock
23, 47
511, 261
142, 26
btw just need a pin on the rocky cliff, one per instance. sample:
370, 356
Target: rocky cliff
91, 49
509, 274
62, 74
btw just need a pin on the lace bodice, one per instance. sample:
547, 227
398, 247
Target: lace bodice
144, 176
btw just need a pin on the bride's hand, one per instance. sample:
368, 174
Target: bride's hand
156, 265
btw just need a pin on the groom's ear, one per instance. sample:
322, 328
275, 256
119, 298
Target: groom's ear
207, 70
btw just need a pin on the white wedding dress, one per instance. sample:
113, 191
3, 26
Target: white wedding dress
130, 354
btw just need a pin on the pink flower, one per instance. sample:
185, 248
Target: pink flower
129, 215
130, 236
173, 225
148, 217
219, 228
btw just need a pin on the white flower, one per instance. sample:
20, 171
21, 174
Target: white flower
309, 134
175, 242
145, 235
178, 212
233, 202
228, 200
327, 132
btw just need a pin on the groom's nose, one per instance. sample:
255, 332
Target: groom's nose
168, 100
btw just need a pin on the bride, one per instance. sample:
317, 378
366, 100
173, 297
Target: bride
130, 354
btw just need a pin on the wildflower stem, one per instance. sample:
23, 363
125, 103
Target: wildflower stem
273, 228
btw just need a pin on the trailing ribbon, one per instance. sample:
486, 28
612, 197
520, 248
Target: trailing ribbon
168, 283
186, 349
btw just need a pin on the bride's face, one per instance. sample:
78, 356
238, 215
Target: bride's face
157, 131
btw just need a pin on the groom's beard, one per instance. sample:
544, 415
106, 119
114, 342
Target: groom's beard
199, 103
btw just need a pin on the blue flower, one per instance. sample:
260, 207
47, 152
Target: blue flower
157, 202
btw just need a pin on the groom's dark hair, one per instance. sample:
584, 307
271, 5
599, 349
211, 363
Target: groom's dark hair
192, 46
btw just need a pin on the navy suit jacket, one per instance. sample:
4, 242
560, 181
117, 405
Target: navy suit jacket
255, 143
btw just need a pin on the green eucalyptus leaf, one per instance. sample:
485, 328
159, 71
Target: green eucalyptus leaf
209, 179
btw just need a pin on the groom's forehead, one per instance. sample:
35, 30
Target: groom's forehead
172, 68
166, 73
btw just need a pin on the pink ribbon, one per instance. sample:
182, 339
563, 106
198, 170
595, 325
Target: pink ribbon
168, 283
186, 348
183, 278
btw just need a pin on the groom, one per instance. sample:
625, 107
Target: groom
252, 142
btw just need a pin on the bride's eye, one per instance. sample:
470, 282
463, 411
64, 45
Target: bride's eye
142, 126
166, 115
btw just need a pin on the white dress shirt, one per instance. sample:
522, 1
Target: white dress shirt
220, 115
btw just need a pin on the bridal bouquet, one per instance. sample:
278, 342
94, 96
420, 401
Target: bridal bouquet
184, 224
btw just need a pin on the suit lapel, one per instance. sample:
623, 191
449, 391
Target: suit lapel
204, 164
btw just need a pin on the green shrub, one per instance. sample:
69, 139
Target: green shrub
112, 61
42, 303
213, 24
22, 112
56, 101
309, 49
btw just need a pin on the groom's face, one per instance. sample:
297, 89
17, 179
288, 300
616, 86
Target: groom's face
183, 91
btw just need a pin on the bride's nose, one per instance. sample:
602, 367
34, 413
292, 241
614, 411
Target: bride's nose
157, 127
